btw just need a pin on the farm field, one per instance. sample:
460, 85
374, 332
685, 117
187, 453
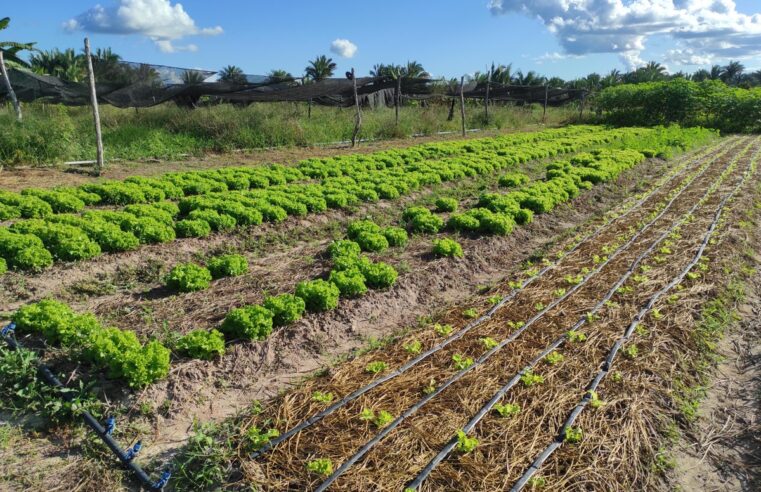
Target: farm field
523, 311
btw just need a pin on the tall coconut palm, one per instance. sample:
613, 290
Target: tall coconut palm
320, 68
280, 75
233, 75
66, 64
732, 73
529, 78
383, 70
415, 70
193, 77
11, 49
611, 79
700, 75
716, 72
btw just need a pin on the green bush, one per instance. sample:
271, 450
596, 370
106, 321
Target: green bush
217, 221
230, 265
396, 236
379, 275
65, 242
513, 180
444, 204
319, 295
192, 228
149, 231
351, 283
463, 222
188, 277
3, 266
359, 227
202, 344
421, 220
372, 241
249, 322
285, 308
447, 247
524, 216
24, 251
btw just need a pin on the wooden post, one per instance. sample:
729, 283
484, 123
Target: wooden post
462, 103
309, 110
8, 88
398, 97
486, 99
95, 113
581, 106
358, 118
546, 99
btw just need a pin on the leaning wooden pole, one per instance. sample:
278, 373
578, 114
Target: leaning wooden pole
95, 112
486, 99
358, 118
462, 103
9, 88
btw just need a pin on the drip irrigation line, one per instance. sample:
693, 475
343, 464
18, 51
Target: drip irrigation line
125, 457
609, 360
452, 443
461, 333
481, 360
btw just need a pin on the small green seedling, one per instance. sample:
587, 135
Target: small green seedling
489, 342
574, 279
322, 397
553, 358
594, 400
573, 435
642, 330
443, 330
539, 306
461, 362
507, 410
320, 466
575, 336
529, 378
657, 314
537, 482
430, 388
259, 438
617, 377
515, 324
414, 347
470, 313
495, 299
465, 444
559, 292
631, 352
376, 367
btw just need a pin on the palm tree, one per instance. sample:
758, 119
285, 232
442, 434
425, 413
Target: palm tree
11, 49
390, 70
320, 68
529, 78
613, 78
555, 82
700, 75
280, 75
193, 77
233, 75
732, 73
716, 71
65, 65
415, 70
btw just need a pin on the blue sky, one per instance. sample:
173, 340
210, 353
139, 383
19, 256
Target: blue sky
449, 37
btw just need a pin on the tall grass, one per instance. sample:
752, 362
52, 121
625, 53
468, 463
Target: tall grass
55, 133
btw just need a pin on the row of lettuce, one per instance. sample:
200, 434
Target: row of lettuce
34, 244
121, 355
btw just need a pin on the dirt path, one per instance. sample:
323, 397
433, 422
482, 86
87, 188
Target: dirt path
722, 450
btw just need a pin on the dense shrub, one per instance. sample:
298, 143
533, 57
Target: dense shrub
421, 220
285, 308
3, 266
343, 247
188, 277
24, 251
372, 241
230, 265
249, 322
513, 180
202, 344
319, 295
217, 221
447, 247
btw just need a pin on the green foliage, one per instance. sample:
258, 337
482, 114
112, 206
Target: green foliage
230, 265
318, 295
573, 435
513, 180
465, 444
320, 466
507, 410
489, 343
202, 344
421, 220
217, 221
379, 275
322, 397
376, 367
413, 347
528, 378
443, 330
350, 283
444, 204
447, 247
285, 308
192, 228
344, 248
396, 236
188, 277
372, 241
461, 362
248, 322
575, 336
258, 438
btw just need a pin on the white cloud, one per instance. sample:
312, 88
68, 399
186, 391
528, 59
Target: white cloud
701, 31
343, 47
158, 20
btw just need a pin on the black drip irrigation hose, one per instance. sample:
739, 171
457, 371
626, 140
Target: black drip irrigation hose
481, 360
608, 363
126, 457
452, 443
461, 333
